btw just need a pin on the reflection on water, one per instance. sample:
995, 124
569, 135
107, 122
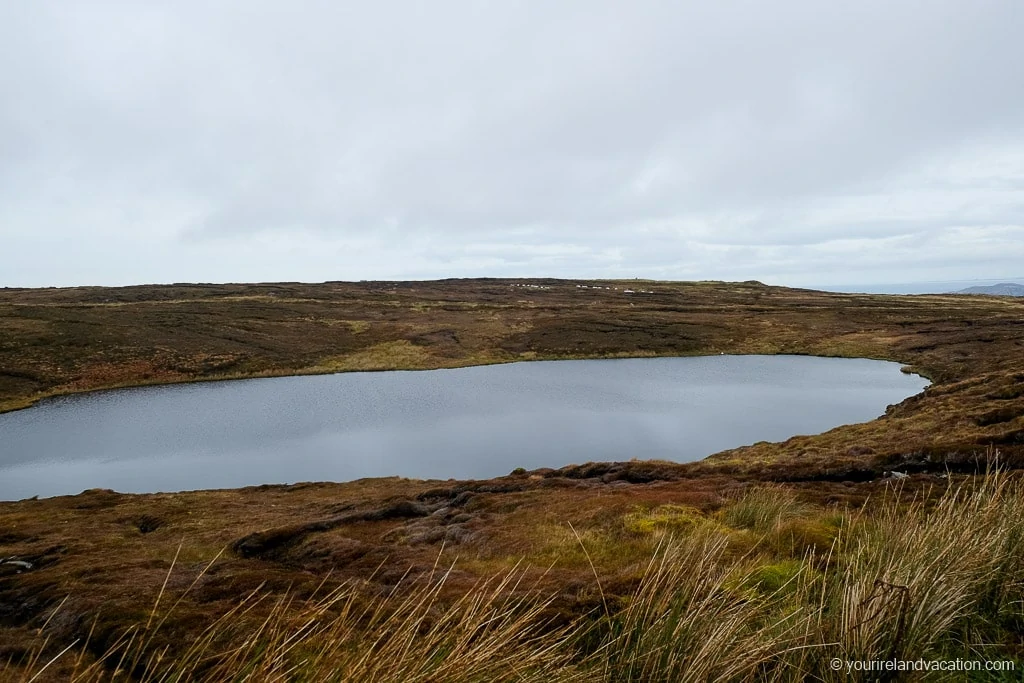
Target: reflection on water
466, 423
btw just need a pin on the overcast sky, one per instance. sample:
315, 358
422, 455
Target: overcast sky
793, 142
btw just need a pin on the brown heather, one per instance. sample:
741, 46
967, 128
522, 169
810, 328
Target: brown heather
758, 564
940, 576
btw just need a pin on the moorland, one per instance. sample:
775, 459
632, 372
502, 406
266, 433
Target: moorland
900, 537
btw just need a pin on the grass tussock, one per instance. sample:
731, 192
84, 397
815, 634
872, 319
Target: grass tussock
935, 577
763, 508
684, 623
493, 632
921, 580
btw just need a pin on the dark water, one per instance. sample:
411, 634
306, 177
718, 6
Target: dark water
467, 423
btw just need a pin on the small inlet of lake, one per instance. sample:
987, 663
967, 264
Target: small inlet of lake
467, 423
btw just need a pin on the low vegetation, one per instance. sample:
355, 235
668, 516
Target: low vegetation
937, 574
883, 540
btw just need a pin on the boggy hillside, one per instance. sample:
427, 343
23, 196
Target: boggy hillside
87, 569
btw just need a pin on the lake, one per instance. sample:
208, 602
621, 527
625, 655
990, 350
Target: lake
477, 422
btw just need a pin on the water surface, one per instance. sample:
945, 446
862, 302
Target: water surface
466, 423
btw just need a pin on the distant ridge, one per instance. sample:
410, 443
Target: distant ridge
1002, 289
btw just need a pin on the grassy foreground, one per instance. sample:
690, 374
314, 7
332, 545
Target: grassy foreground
760, 563
767, 588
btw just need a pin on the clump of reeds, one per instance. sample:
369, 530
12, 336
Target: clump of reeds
919, 580
907, 580
493, 632
686, 622
763, 508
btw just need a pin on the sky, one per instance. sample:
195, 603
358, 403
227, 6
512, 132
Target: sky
794, 142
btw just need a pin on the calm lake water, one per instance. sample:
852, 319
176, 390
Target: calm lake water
466, 423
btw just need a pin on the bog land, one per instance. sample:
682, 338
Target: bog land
777, 528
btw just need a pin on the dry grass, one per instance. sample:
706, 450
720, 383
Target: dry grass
920, 580
926, 577
763, 509
683, 623
688, 558
494, 631
397, 355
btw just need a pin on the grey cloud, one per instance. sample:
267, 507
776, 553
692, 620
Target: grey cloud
733, 139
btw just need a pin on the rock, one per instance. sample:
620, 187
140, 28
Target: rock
14, 562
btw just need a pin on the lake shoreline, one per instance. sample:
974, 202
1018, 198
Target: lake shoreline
182, 334
98, 559
463, 423
14, 406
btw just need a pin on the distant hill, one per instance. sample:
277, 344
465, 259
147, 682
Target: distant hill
1002, 289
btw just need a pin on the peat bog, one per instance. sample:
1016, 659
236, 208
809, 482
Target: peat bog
103, 556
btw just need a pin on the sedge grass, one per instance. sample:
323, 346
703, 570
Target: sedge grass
929, 577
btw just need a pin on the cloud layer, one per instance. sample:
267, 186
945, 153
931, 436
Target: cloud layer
791, 142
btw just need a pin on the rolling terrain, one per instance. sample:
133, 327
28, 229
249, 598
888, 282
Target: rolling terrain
1002, 289
583, 534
